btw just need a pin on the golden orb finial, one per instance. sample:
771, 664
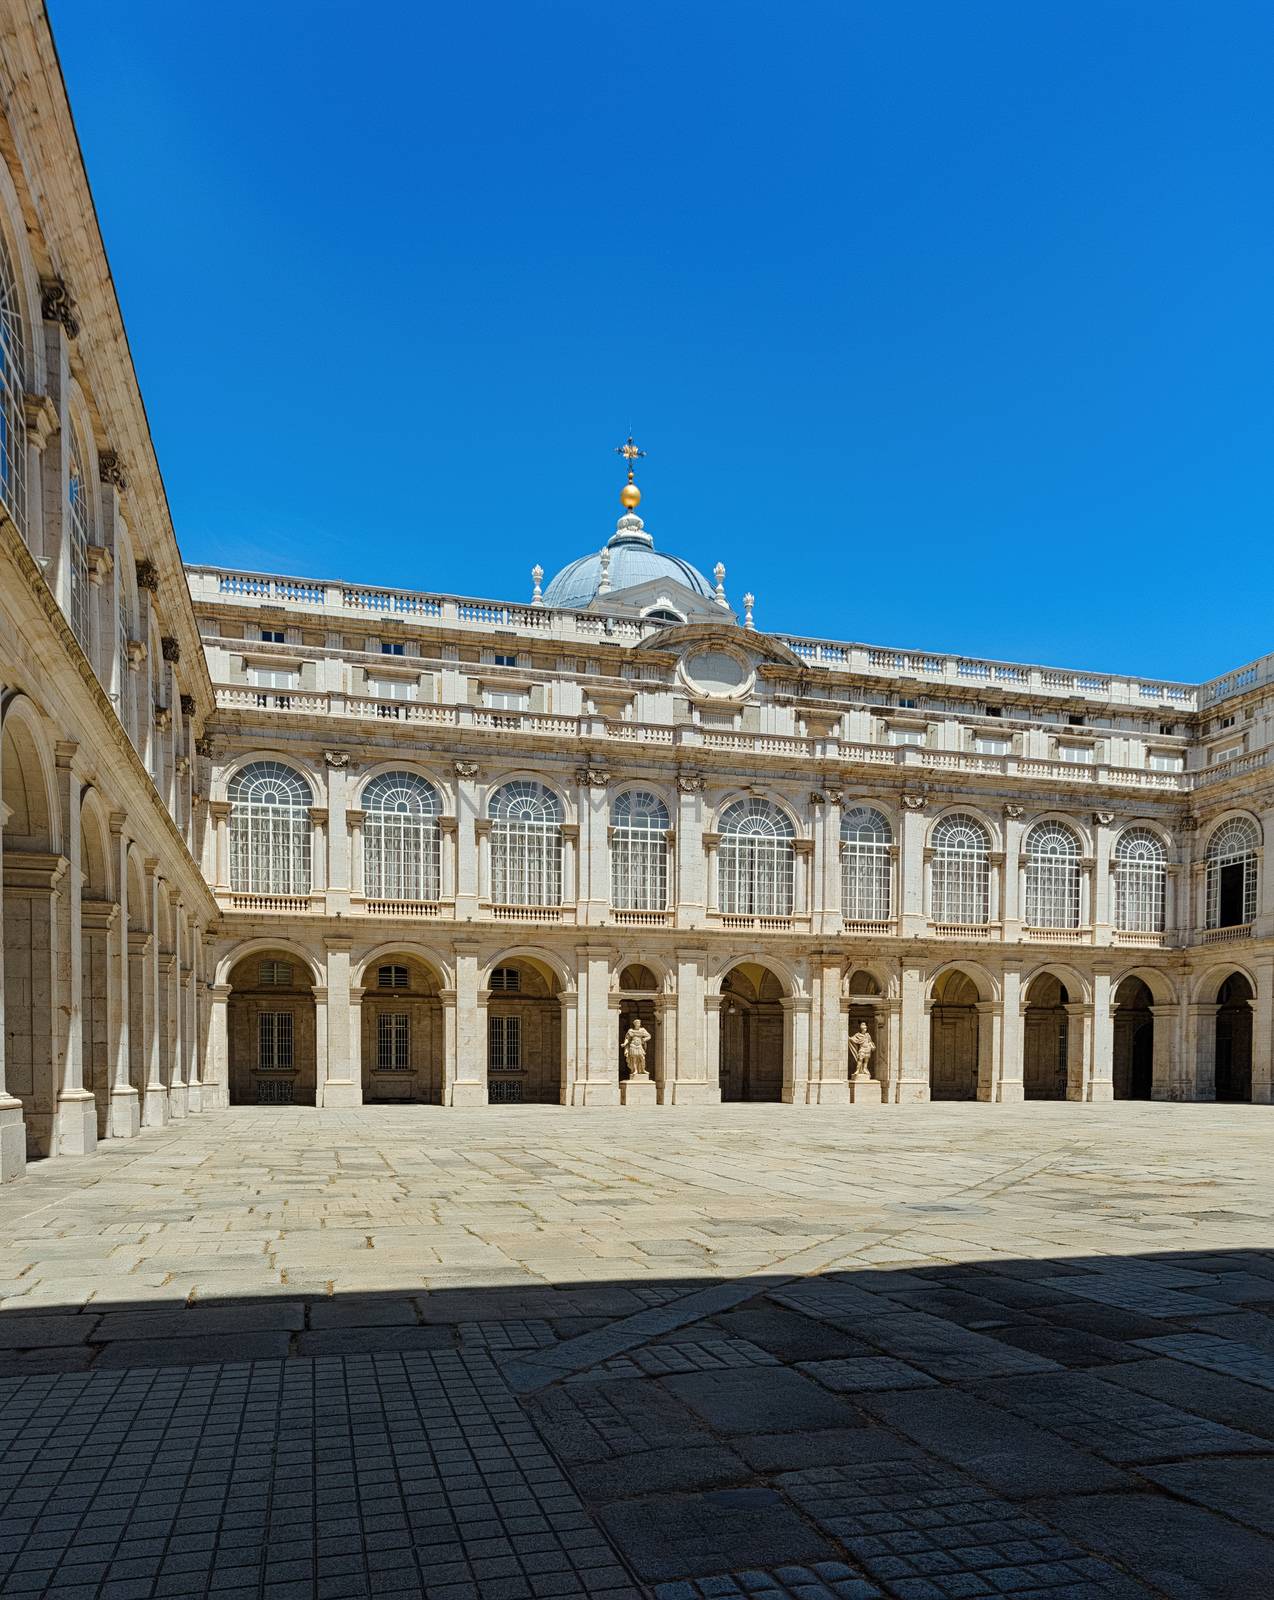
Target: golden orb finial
630, 494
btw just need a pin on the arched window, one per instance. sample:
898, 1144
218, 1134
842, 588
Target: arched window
961, 872
269, 830
757, 860
1141, 873
639, 852
526, 845
13, 385
864, 865
1231, 867
124, 704
1052, 877
402, 845
79, 501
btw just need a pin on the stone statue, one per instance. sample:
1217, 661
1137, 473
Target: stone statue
862, 1049
635, 1041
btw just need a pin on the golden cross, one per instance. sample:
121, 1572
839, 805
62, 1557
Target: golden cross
630, 453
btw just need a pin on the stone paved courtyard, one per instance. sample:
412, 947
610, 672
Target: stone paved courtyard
934, 1353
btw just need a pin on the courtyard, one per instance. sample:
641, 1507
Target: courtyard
944, 1351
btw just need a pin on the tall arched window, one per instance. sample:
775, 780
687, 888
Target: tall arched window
13, 385
639, 852
79, 502
269, 830
402, 844
1052, 877
864, 865
526, 845
961, 871
1231, 867
124, 704
757, 860
1141, 874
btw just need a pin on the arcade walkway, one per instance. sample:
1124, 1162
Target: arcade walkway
955, 1351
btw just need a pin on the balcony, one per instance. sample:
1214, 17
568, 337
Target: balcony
1058, 935
1232, 935
641, 919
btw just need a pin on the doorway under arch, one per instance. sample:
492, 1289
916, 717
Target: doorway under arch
753, 1034
524, 1033
403, 1032
1234, 1039
1134, 1041
954, 1028
270, 1021
1045, 1039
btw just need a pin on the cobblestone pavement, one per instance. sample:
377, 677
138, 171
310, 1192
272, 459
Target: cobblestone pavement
926, 1354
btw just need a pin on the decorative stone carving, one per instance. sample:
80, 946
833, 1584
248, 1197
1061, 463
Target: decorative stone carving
204, 747
690, 783
467, 769
171, 649
592, 777
110, 469
635, 1042
148, 576
914, 802
1014, 813
336, 758
187, 705
163, 717
537, 579
817, 798
41, 417
1187, 824
1103, 818
57, 304
862, 1049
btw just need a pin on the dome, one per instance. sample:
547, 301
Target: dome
633, 560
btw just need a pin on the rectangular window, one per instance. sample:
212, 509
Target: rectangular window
274, 1041
504, 1044
393, 649
505, 661
506, 699
1166, 761
393, 1042
276, 975
392, 688
272, 636
992, 747
1226, 753
915, 736
1078, 755
272, 678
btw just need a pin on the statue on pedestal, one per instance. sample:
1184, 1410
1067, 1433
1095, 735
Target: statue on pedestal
862, 1049
635, 1042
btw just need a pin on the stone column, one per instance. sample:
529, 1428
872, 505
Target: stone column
467, 888
76, 1108
1079, 1049
219, 816
802, 876
828, 916
990, 1045
796, 1049
1263, 1030
569, 1067
913, 1031
691, 1074
217, 1061
339, 1080
194, 986
829, 1065
155, 1099
1101, 1081
1199, 1068
711, 1028
340, 877
126, 1104
596, 1080
1103, 900
318, 852
592, 808
1009, 1087
1013, 904
177, 1103
13, 1133
465, 1069
447, 865
691, 875
912, 872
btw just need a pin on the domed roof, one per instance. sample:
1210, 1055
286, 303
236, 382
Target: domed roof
633, 560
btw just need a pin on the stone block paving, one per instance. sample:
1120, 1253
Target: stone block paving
942, 1353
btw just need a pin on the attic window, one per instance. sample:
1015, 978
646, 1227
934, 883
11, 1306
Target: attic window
659, 615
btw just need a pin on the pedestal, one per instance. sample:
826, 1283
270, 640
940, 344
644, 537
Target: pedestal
126, 1113
155, 1107
342, 1092
637, 1092
864, 1091
176, 1100
194, 1098
76, 1123
13, 1139
468, 1094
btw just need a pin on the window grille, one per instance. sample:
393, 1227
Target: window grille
393, 1042
391, 977
639, 852
13, 385
275, 1092
275, 975
756, 860
507, 978
1141, 875
504, 1044
961, 871
865, 869
80, 518
402, 842
274, 1041
526, 845
269, 830
1231, 859
504, 1091
1052, 877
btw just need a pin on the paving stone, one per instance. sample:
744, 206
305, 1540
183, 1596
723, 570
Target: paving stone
1238, 1487
1203, 1393
784, 1401
363, 1340
696, 1536
865, 1373
1229, 1356
789, 1336
825, 1580
944, 1350
193, 1351
18, 1332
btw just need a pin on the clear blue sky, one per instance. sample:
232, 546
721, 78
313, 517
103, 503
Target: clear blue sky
948, 325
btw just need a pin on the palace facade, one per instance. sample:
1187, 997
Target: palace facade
282, 841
